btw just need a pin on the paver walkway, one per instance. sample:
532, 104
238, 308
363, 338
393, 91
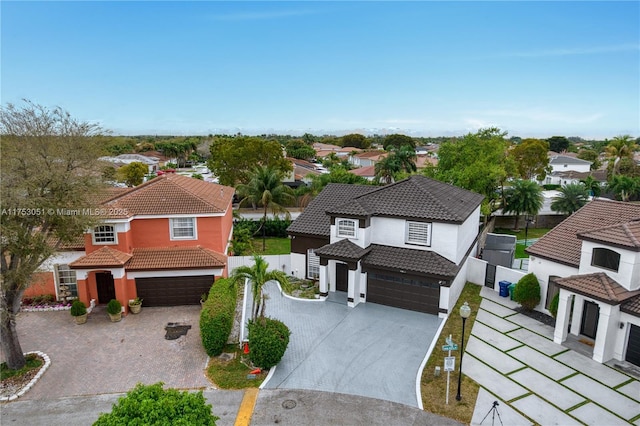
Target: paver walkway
533, 379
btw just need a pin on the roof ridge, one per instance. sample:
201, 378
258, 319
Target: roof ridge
196, 183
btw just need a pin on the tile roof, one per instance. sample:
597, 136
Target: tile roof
417, 197
631, 306
365, 171
314, 220
175, 258
410, 260
171, 194
343, 249
600, 286
105, 257
625, 235
565, 159
562, 245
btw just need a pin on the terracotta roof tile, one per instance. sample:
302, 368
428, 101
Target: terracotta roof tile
365, 171
562, 245
175, 258
600, 286
417, 197
420, 261
343, 249
172, 194
626, 235
105, 257
631, 306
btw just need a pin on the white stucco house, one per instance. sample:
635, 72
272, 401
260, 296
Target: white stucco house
592, 260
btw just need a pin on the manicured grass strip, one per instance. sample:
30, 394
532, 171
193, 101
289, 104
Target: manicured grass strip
246, 407
273, 245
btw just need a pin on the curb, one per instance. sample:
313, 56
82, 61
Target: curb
47, 363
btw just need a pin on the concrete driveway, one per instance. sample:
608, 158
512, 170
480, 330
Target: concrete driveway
370, 350
104, 357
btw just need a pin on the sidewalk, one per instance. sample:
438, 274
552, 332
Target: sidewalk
533, 379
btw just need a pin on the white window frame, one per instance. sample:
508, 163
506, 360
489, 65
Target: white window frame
101, 237
66, 281
176, 221
313, 265
413, 230
350, 231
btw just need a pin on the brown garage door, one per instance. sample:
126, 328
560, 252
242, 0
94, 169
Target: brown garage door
173, 291
403, 291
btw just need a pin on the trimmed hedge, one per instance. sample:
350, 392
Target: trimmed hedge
216, 318
553, 306
153, 405
273, 227
268, 339
527, 292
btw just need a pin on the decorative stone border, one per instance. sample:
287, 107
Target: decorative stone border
47, 362
44, 308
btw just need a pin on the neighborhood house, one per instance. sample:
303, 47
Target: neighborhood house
402, 245
164, 241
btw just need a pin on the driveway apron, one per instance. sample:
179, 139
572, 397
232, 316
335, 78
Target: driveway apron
104, 357
370, 350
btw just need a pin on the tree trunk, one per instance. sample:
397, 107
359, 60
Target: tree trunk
516, 227
264, 231
9, 306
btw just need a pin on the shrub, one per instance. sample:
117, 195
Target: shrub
553, 306
114, 307
216, 318
273, 227
527, 292
78, 308
153, 405
268, 340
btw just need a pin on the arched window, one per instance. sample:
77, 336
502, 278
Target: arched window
605, 258
347, 228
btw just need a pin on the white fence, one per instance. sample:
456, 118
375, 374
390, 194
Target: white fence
281, 262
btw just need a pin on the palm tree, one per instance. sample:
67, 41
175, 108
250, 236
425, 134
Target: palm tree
265, 189
618, 148
406, 158
524, 196
593, 186
572, 197
387, 168
259, 275
624, 187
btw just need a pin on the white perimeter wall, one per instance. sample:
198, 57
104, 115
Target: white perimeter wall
281, 262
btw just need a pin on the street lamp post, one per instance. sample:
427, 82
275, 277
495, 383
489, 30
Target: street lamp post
465, 311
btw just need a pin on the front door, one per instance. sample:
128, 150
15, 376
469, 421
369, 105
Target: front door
106, 288
590, 316
633, 346
342, 277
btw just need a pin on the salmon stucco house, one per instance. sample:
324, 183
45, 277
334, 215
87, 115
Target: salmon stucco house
403, 245
164, 241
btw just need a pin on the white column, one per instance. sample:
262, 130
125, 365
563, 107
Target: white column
324, 287
606, 333
576, 320
562, 317
353, 293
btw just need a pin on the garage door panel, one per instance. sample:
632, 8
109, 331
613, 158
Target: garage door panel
633, 346
173, 291
406, 296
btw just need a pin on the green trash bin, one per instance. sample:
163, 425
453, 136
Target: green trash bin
511, 287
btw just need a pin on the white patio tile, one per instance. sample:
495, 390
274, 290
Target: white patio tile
490, 355
490, 379
496, 309
618, 403
541, 362
548, 389
537, 342
595, 415
493, 337
533, 325
542, 412
485, 414
495, 321
591, 368
632, 390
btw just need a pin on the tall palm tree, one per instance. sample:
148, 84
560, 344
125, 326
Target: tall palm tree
592, 185
624, 187
618, 148
259, 275
524, 196
386, 169
406, 158
265, 189
572, 197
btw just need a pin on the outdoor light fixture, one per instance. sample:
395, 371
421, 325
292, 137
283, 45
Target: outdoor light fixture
465, 311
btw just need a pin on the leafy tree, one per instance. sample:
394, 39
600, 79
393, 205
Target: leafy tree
619, 147
524, 196
308, 138
233, 158
531, 159
628, 167
477, 162
590, 155
355, 140
337, 174
571, 198
48, 166
259, 275
133, 173
592, 185
624, 187
558, 143
265, 189
398, 141
297, 148
153, 405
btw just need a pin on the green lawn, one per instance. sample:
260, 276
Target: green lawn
273, 245
232, 374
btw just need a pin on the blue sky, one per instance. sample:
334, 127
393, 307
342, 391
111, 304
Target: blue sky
534, 69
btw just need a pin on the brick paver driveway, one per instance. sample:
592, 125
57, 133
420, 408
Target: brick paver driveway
104, 357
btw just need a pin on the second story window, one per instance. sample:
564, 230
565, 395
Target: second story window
346, 228
183, 228
418, 233
605, 258
105, 234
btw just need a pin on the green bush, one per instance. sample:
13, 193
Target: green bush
553, 306
216, 318
78, 308
268, 340
273, 227
153, 405
114, 307
527, 292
